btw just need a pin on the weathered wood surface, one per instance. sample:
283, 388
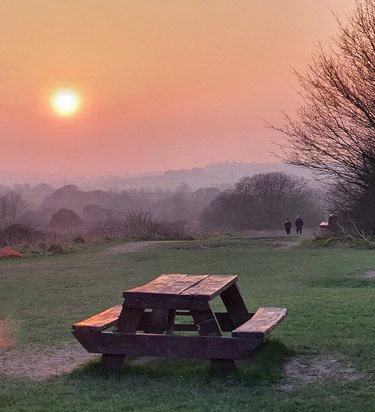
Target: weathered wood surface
128, 322
101, 321
182, 287
112, 362
170, 302
263, 322
156, 284
205, 347
157, 322
206, 323
235, 305
225, 322
129, 319
210, 287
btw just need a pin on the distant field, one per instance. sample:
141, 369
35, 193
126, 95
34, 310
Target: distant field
322, 358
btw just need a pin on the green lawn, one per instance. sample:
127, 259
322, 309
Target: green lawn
331, 313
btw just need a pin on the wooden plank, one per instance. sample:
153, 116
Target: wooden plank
206, 323
157, 321
101, 321
173, 302
170, 322
235, 305
263, 322
166, 289
225, 322
203, 287
223, 318
129, 319
112, 362
176, 287
156, 284
211, 286
208, 347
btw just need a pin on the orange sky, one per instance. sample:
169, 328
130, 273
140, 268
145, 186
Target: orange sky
164, 83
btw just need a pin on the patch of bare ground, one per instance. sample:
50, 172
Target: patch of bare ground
41, 363
304, 370
288, 244
145, 246
369, 275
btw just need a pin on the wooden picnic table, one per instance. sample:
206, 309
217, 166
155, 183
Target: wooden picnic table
146, 324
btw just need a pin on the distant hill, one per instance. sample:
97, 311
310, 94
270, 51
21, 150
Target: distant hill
221, 175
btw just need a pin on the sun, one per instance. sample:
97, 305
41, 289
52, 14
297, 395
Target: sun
65, 102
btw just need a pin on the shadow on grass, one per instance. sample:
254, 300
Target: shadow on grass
265, 367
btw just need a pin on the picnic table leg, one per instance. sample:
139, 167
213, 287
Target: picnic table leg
235, 305
208, 325
170, 322
128, 321
158, 321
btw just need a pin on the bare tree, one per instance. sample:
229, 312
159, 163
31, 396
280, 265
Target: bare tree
333, 132
12, 204
17, 204
262, 201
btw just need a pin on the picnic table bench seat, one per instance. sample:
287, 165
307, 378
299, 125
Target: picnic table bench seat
99, 322
261, 323
146, 324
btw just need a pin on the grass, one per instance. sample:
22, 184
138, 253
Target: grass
331, 312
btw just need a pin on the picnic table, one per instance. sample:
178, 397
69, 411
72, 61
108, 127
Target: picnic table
147, 322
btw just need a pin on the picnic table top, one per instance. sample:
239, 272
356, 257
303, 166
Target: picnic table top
182, 286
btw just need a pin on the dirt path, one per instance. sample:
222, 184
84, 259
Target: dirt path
370, 274
41, 363
303, 370
288, 244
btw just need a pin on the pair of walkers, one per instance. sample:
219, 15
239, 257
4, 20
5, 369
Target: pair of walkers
298, 223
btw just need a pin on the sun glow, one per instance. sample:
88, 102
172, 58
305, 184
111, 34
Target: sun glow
65, 102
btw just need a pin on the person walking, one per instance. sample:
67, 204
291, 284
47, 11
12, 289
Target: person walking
299, 225
287, 226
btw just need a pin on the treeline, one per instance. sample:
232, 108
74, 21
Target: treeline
99, 205
262, 201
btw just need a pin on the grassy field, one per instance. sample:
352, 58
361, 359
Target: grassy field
322, 358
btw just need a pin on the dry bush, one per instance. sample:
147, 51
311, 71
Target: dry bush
141, 225
13, 235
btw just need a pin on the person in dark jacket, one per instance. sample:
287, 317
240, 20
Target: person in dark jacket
299, 225
287, 226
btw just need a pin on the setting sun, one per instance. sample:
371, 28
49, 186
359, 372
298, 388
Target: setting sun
65, 102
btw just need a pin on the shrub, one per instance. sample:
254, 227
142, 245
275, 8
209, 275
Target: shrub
65, 217
18, 233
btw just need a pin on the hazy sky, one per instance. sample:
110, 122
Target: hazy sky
164, 83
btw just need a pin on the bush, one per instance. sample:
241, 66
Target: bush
79, 240
337, 241
15, 234
65, 217
60, 248
140, 225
